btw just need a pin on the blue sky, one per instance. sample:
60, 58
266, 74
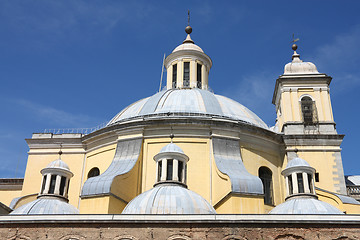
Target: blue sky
73, 64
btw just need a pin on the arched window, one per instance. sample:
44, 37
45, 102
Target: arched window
174, 75
94, 172
308, 110
265, 175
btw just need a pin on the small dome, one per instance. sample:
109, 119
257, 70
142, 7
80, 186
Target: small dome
188, 46
58, 164
297, 66
169, 199
305, 205
171, 148
46, 205
297, 162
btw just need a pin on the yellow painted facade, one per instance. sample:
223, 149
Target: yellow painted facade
260, 147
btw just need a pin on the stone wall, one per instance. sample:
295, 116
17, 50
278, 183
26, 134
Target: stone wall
177, 230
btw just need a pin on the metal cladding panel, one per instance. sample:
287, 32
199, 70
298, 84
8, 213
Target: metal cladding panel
305, 205
211, 103
228, 161
235, 110
169, 199
152, 103
185, 101
126, 155
46, 205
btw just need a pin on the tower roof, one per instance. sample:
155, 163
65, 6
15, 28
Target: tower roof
297, 66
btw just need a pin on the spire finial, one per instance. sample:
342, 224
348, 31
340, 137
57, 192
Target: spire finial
60, 152
295, 56
296, 152
188, 29
171, 135
294, 46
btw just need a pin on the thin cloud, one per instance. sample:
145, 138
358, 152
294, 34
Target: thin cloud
54, 116
340, 58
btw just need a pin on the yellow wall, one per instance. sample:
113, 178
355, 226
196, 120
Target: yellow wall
324, 163
241, 204
6, 196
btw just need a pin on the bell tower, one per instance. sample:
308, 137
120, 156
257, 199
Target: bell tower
305, 117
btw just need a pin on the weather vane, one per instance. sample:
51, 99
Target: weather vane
188, 17
294, 40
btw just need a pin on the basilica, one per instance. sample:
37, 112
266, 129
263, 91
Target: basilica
188, 156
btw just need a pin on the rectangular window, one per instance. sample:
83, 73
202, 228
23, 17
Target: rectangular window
317, 178
159, 170
180, 170
62, 185
198, 76
186, 74
290, 185
52, 184
300, 182
310, 182
169, 170
43, 185
174, 75
68, 186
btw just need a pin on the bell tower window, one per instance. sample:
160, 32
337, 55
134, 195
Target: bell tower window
198, 76
186, 82
174, 75
308, 110
265, 175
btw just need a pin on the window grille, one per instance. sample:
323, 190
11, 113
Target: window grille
174, 76
309, 112
198, 77
186, 74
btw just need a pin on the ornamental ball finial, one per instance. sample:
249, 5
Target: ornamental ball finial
294, 47
188, 29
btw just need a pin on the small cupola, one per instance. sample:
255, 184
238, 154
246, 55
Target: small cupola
299, 178
56, 179
171, 164
187, 66
301, 197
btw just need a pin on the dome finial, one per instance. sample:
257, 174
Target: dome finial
60, 152
188, 30
294, 47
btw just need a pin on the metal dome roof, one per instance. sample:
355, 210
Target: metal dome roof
189, 102
171, 148
305, 205
297, 162
58, 164
188, 46
169, 199
46, 205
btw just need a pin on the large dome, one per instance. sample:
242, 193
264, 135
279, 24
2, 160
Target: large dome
189, 102
169, 199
